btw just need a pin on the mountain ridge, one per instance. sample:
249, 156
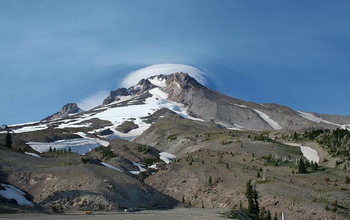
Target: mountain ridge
209, 105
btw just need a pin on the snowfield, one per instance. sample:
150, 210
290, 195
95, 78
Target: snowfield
319, 120
12, 192
32, 154
309, 153
157, 81
166, 157
31, 128
273, 124
135, 113
111, 167
77, 145
141, 168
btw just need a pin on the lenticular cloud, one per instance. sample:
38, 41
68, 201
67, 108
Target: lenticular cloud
165, 69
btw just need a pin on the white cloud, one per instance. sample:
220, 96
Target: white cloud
134, 77
93, 100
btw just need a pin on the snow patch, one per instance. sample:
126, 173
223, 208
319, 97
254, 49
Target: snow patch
308, 152
166, 157
140, 166
318, 120
242, 106
153, 166
158, 92
111, 167
77, 145
31, 128
310, 117
12, 192
118, 115
32, 154
157, 81
273, 124
81, 134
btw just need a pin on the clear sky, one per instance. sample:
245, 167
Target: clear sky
294, 53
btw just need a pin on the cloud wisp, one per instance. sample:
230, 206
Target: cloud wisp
93, 100
134, 77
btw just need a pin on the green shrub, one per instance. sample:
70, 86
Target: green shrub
84, 160
347, 179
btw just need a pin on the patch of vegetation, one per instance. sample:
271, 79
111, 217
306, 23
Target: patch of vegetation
347, 179
150, 161
253, 211
84, 160
262, 137
172, 137
143, 148
107, 153
302, 166
8, 140
337, 142
143, 176
59, 151
56, 209
226, 142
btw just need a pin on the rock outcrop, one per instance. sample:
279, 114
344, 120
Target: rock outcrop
70, 108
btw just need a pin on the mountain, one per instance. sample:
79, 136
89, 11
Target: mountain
158, 142
197, 101
180, 91
69, 108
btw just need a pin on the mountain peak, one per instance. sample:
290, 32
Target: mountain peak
162, 70
174, 83
69, 108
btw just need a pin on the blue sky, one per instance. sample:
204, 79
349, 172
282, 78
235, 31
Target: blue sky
293, 53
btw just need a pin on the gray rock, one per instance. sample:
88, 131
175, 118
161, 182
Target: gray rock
67, 109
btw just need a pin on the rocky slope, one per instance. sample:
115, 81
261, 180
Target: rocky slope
70, 108
99, 159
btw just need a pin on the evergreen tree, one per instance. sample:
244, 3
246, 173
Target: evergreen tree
252, 196
256, 202
8, 140
314, 166
50, 149
347, 179
210, 181
263, 213
301, 166
268, 217
295, 136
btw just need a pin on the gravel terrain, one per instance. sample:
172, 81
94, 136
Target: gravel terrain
179, 214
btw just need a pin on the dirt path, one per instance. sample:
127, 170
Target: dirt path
178, 214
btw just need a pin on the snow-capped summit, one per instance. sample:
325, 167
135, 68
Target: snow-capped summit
163, 69
125, 112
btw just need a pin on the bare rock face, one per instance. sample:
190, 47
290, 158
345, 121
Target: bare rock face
209, 105
69, 108
142, 86
114, 95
